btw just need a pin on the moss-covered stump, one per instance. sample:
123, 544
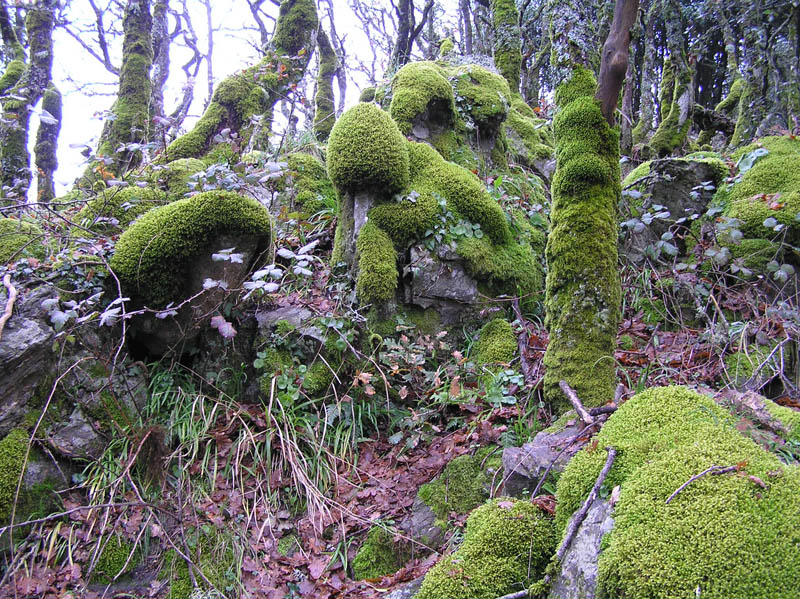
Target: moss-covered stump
583, 288
730, 535
506, 547
166, 255
380, 555
20, 239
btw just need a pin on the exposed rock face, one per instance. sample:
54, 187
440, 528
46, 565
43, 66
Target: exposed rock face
163, 335
578, 576
677, 185
25, 357
420, 525
524, 466
439, 280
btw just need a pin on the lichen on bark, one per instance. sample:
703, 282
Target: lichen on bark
324, 109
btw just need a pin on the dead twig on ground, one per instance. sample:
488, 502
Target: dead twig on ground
713, 470
12, 297
576, 402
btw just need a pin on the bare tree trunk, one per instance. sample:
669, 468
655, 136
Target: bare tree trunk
647, 99
160, 73
209, 54
465, 19
15, 172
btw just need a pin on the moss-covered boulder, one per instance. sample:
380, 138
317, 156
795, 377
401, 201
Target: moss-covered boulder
174, 177
506, 547
379, 555
312, 189
116, 208
730, 535
117, 558
20, 239
496, 343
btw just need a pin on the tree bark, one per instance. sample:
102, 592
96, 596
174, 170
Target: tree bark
324, 109
46, 146
15, 172
161, 43
647, 99
465, 19
614, 60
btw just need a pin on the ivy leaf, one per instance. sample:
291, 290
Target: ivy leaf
223, 326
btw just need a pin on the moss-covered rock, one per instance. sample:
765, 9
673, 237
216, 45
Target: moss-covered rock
367, 152
496, 343
757, 362
215, 557
20, 239
379, 556
174, 176
506, 547
731, 535
113, 560
313, 190
421, 88
463, 484
119, 207
377, 268
528, 137
583, 288
153, 255
789, 417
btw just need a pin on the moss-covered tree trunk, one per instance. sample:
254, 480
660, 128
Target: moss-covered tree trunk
253, 92
47, 144
324, 109
15, 172
583, 286
647, 102
507, 41
130, 119
160, 71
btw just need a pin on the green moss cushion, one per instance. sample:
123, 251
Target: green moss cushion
119, 207
19, 239
367, 152
153, 256
732, 535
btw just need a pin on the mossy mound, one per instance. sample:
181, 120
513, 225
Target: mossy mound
313, 190
153, 256
119, 207
496, 344
367, 152
419, 87
752, 199
174, 176
713, 159
379, 556
789, 417
113, 560
463, 484
12, 459
20, 239
506, 547
731, 535
215, 557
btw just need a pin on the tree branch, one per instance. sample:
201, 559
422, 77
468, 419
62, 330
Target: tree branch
614, 62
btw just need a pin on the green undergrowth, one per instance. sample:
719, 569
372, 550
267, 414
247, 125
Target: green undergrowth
380, 555
20, 239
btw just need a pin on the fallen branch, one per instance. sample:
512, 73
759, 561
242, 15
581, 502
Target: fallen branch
576, 520
576, 402
522, 344
713, 470
12, 297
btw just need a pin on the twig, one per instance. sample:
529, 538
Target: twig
12, 297
714, 470
609, 409
576, 402
576, 521
555, 459
580, 516
522, 344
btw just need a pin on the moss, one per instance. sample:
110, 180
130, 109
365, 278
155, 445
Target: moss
506, 547
496, 344
751, 199
297, 20
111, 562
153, 257
366, 151
377, 269
20, 239
723, 534
583, 289
379, 555
626, 342
507, 41
446, 47
310, 180
453, 148
528, 136
324, 108
755, 254
123, 205
789, 417
671, 132
713, 159
481, 95
317, 379
13, 448
419, 87
211, 553
174, 176
288, 544
193, 144
744, 364
463, 484
11, 75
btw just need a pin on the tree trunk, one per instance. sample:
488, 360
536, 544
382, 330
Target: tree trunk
324, 109
465, 20
583, 293
46, 146
130, 115
161, 43
647, 102
507, 41
15, 172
